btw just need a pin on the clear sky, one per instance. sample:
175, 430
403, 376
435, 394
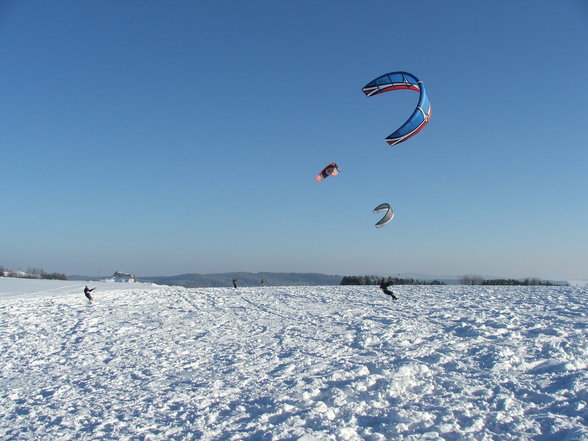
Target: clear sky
166, 137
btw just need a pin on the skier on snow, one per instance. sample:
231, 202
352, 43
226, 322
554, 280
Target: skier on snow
87, 292
384, 287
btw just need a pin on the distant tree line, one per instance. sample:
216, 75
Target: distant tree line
474, 280
465, 280
32, 273
375, 280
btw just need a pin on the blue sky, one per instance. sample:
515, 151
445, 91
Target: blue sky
170, 137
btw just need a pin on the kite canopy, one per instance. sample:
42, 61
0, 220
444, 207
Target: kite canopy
387, 217
329, 170
422, 113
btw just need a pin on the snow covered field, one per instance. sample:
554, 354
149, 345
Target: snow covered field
292, 363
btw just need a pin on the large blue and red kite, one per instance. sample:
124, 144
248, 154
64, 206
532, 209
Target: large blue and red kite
422, 113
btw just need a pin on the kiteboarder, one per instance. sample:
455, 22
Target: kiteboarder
234, 283
87, 292
384, 287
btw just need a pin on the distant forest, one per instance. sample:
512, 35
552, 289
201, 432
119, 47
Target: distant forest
466, 280
32, 273
375, 280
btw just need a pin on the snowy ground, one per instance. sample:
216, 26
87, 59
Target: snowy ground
292, 363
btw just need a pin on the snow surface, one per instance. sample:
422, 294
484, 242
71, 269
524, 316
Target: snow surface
149, 362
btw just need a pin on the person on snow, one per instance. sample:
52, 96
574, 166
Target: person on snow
87, 292
234, 283
384, 287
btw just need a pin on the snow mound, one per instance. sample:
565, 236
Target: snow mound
583, 283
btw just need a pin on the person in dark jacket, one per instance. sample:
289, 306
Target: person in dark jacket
234, 283
384, 287
87, 292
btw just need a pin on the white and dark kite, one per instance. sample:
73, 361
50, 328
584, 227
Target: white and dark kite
387, 217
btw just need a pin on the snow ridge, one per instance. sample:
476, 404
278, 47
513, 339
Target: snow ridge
294, 363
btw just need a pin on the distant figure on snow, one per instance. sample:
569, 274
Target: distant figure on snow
384, 287
234, 283
87, 292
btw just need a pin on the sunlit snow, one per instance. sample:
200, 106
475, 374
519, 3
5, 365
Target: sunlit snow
148, 362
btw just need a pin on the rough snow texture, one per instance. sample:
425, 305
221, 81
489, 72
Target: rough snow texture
292, 363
